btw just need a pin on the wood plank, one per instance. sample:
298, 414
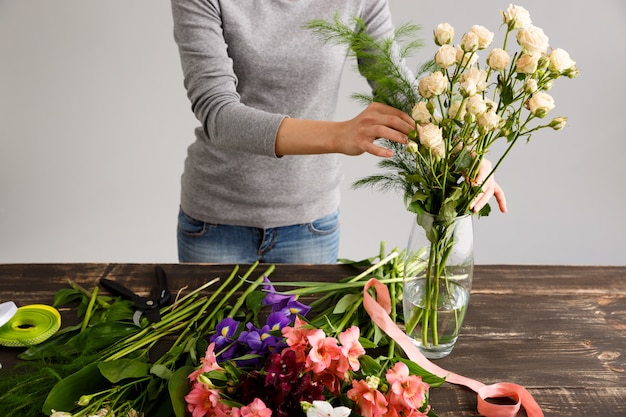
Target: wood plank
558, 330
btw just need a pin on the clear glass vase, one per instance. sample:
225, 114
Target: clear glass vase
438, 274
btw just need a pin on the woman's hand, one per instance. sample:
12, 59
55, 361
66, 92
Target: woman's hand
490, 189
352, 137
376, 121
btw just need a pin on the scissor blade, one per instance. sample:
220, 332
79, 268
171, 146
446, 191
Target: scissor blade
153, 315
118, 288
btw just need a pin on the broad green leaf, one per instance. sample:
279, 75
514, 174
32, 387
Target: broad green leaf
102, 335
66, 296
254, 302
123, 368
346, 302
369, 365
161, 371
178, 386
65, 394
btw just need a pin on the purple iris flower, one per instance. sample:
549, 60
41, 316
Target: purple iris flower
294, 307
223, 339
273, 298
251, 338
277, 320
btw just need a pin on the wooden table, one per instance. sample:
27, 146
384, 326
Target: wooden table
560, 331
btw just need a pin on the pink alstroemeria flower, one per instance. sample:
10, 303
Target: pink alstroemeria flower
324, 350
209, 363
296, 336
371, 402
408, 391
201, 400
256, 408
351, 347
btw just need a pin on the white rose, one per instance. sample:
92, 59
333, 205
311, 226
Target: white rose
456, 111
446, 56
488, 120
498, 59
527, 63
420, 113
485, 36
531, 86
433, 85
560, 61
465, 59
469, 42
473, 81
532, 39
516, 17
431, 137
443, 33
540, 104
476, 105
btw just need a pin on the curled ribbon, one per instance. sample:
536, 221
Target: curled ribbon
379, 310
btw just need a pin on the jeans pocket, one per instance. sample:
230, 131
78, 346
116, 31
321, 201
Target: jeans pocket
189, 226
325, 225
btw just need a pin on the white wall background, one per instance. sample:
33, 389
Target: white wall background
94, 125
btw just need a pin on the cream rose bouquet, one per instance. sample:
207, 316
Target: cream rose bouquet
462, 104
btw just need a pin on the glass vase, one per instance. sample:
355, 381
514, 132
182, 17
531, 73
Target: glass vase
438, 274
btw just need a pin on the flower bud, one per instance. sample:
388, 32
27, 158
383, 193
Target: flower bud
204, 380
530, 86
443, 33
469, 42
84, 400
571, 72
412, 147
558, 123
372, 381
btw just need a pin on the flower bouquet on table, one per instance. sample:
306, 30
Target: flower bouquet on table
462, 106
244, 348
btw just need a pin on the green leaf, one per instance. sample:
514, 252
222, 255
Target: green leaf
102, 335
66, 296
65, 394
369, 365
366, 343
346, 302
161, 371
414, 369
124, 368
178, 386
254, 302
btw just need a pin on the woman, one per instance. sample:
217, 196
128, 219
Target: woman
262, 179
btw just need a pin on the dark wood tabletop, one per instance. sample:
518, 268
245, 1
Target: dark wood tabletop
560, 331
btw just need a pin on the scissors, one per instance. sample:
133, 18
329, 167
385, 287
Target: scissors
149, 306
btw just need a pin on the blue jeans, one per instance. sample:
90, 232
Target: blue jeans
316, 242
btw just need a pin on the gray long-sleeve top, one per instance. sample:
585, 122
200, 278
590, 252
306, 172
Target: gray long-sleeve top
247, 65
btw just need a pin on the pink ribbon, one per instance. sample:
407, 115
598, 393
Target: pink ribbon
379, 312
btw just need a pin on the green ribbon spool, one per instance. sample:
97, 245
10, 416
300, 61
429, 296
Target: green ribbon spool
30, 326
